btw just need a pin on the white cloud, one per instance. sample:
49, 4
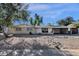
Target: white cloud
51, 14
38, 7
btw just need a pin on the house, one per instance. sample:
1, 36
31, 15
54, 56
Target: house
30, 29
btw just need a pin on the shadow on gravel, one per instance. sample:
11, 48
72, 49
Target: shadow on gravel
26, 49
32, 35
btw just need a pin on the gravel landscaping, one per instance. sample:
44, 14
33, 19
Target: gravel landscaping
38, 45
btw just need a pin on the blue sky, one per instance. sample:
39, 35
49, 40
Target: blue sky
53, 12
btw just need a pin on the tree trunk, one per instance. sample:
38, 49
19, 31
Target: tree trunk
6, 36
4, 30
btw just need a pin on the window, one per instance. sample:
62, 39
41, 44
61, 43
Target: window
18, 29
45, 30
29, 29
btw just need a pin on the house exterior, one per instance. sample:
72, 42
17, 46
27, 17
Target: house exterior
27, 29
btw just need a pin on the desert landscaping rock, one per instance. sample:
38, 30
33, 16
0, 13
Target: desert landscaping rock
37, 45
3, 53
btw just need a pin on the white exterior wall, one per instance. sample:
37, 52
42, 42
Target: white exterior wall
38, 30
49, 30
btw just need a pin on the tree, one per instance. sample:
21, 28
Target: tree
66, 21
36, 21
77, 25
10, 12
1, 22
31, 20
61, 22
69, 20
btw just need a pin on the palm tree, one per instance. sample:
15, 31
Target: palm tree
10, 12
31, 21
37, 21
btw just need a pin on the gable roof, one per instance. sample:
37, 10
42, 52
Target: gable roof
72, 26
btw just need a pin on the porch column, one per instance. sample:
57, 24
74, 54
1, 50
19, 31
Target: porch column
5, 29
69, 31
49, 30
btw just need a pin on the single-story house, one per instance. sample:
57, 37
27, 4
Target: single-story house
27, 29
